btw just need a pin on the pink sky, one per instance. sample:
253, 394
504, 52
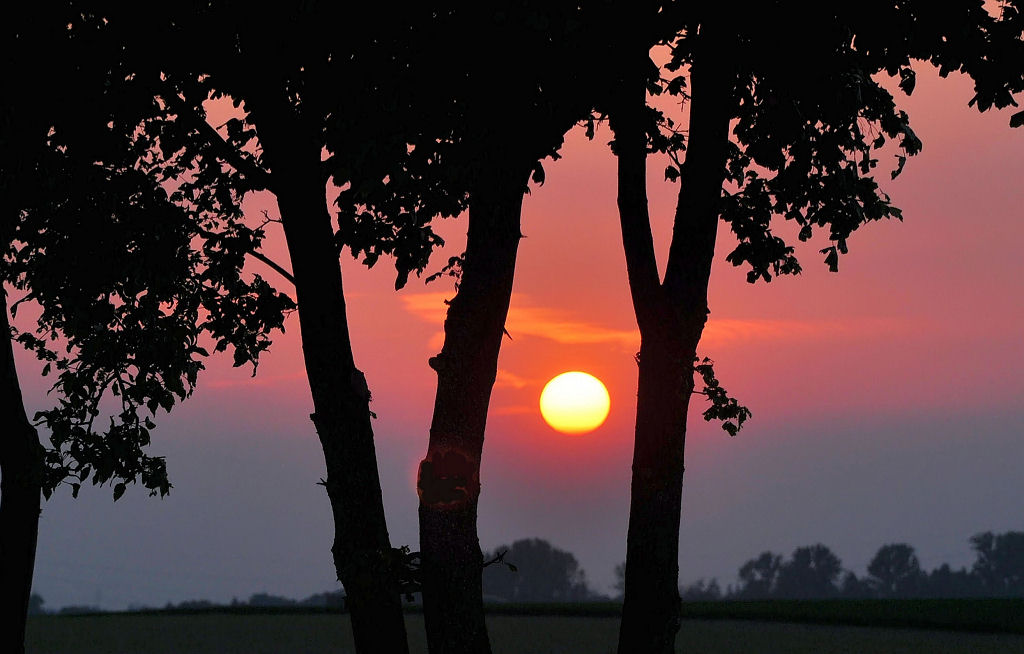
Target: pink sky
886, 398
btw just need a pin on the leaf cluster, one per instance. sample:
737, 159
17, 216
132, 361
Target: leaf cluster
813, 110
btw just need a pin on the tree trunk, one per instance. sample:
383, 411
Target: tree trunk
20, 489
449, 475
362, 552
671, 317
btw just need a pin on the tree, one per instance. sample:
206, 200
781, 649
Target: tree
786, 118
20, 483
943, 581
36, 605
701, 591
620, 580
282, 67
894, 571
759, 577
532, 570
999, 563
810, 573
513, 111
89, 236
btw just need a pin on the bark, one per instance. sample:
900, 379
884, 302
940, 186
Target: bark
362, 548
449, 475
671, 317
20, 489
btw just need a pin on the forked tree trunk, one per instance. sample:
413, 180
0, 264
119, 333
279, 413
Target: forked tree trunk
671, 317
449, 475
362, 548
20, 489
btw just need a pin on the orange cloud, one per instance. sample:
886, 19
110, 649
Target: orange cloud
512, 380
563, 327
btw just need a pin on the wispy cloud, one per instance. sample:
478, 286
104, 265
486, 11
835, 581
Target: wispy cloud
511, 380
525, 319
513, 410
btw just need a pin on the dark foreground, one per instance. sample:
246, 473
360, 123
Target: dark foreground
510, 634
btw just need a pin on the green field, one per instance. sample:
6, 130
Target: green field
298, 633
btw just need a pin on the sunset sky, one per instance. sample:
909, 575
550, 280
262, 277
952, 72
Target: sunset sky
886, 398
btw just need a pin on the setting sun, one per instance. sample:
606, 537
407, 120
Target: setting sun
574, 403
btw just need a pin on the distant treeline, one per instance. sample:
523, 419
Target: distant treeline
532, 570
815, 572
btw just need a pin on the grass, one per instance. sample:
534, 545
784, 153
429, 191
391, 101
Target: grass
711, 628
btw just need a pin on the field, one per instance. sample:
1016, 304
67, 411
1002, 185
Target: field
541, 632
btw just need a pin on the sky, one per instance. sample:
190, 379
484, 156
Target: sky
886, 397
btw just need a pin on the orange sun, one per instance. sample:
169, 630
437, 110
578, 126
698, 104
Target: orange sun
574, 403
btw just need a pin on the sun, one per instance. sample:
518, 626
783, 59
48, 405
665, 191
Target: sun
574, 402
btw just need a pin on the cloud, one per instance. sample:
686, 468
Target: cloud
514, 410
511, 380
526, 320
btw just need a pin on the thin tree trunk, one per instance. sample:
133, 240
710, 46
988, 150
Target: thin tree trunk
449, 475
20, 489
671, 317
362, 548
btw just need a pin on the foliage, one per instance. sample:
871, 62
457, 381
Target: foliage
724, 407
999, 566
895, 571
813, 110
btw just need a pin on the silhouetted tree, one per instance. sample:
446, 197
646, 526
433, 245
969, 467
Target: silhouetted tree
513, 109
532, 570
999, 566
620, 580
759, 577
36, 604
894, 571
156, 106
701, 591
90, 237
811, 573
786, 108
852, 587
946, 582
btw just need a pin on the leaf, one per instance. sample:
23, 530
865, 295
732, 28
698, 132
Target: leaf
119, 489
831, 258
900, 162
538, 174
1017, 119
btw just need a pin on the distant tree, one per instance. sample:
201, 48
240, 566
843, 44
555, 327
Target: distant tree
190, 605
895, 571
999, 563
701, 591
852, 587
35, 604
532, 570
946, 582
810, 573
787, 114
620, 580
265, 599
79, 609
759, 577
332, 599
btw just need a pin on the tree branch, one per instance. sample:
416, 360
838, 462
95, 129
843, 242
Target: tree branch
634, 217
259, 256
225, 151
